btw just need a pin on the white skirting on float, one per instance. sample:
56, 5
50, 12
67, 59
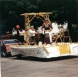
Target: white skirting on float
48, 51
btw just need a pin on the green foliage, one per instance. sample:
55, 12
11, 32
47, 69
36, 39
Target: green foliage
63, 10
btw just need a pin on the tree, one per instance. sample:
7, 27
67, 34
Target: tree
63, 10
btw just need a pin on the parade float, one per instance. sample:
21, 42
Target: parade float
46, 51
41, 50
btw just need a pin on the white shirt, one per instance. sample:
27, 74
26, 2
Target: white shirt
32, 33
14, 32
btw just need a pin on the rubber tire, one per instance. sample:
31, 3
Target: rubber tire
19, 56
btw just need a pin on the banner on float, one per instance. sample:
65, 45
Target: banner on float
64, 49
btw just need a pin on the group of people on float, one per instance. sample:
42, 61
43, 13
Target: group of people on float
46, 31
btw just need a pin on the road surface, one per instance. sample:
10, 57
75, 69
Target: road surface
34, 67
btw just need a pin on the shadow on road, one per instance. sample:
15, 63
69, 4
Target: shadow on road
46, 59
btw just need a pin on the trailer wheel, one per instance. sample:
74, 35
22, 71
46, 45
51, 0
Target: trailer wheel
19, 56
3, 54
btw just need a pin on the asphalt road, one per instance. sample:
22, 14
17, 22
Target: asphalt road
34, 67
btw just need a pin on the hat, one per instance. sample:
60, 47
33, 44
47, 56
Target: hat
32, 26
46, 19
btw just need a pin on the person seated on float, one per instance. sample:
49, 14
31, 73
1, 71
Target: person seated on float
22, 32
47, 28
32, 32
14, 32
38, 37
